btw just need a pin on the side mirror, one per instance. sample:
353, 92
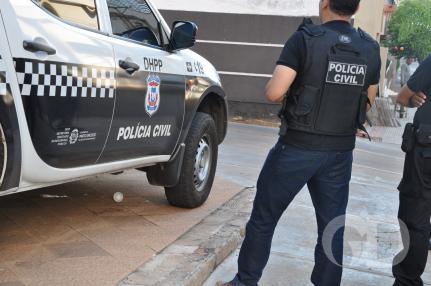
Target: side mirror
183, 35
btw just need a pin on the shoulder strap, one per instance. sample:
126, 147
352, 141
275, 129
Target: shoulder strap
310, 29
364, 35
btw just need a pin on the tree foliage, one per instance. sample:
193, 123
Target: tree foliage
409, 29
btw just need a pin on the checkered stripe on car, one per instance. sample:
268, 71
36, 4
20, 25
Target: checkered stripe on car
53, 79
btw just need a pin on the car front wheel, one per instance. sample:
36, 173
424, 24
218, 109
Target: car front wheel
199, 165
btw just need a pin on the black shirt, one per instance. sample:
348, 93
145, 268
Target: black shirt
420, 81
293, 56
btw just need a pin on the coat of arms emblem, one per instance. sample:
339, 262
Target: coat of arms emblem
152, 99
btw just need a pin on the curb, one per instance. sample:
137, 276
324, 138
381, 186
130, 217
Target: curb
191, 259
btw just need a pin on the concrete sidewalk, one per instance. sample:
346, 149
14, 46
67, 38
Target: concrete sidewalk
392, 135
372, 234
75, 234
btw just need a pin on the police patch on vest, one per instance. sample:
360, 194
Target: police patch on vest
347, 74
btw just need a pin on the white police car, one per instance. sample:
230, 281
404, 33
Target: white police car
100, 86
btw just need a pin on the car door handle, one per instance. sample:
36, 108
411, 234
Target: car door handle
130, 67
38, 47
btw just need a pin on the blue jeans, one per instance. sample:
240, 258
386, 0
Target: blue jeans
286, 171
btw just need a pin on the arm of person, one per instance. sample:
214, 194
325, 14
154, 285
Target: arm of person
412, 95
280, 83
372, 94
409, 98
290, 62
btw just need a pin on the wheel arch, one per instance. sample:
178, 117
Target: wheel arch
213, 102
9, 123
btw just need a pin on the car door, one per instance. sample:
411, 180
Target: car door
66, 73
149, 106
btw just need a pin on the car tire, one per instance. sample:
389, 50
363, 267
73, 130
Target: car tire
3, 154
199, 165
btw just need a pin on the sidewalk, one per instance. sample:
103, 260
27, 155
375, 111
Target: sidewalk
392, 135
372, 233
76, 235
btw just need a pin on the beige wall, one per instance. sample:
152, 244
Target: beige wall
384, 53
370, 17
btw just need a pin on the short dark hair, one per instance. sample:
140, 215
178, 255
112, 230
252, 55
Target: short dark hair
344, 7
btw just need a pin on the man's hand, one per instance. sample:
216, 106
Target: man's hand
409, 98
418, 99
361, 134
372, 94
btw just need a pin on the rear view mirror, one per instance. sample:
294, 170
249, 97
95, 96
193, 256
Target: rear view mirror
183, 35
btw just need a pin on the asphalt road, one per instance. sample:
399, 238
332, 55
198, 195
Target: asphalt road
372, 233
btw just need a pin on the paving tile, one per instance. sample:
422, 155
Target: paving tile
131, 222
69, 236
88, 239
12, 253
113, 210
15, 283
92, 271
7, 276
8, 238
76, 249
15, 201
6, 223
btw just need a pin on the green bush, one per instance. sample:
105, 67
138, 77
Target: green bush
409, 29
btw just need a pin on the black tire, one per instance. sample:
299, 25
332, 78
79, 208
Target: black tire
191, 191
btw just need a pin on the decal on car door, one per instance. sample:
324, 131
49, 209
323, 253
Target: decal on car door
149, 107
65, 72
36, 78
59, 101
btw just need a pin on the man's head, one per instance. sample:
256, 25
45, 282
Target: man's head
338, 9
409, 60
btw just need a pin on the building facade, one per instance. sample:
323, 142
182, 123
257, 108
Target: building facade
244, 39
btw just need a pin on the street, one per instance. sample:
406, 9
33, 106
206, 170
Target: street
372, 233
75, 234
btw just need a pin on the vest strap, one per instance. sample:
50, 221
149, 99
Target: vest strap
364, 35
310, 29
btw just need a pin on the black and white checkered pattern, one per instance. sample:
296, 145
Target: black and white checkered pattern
53, 79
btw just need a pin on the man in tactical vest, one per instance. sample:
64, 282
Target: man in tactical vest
330, 74
415, 187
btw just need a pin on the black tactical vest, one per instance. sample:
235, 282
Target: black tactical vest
330, 96
423, 115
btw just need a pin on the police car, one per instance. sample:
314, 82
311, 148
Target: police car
100, 86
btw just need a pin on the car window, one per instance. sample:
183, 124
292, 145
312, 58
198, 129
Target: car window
133, 19
81, 12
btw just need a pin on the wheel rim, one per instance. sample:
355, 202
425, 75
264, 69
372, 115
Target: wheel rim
3, 154
202, 164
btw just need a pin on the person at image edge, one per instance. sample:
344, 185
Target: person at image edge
415, 188
330, 73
